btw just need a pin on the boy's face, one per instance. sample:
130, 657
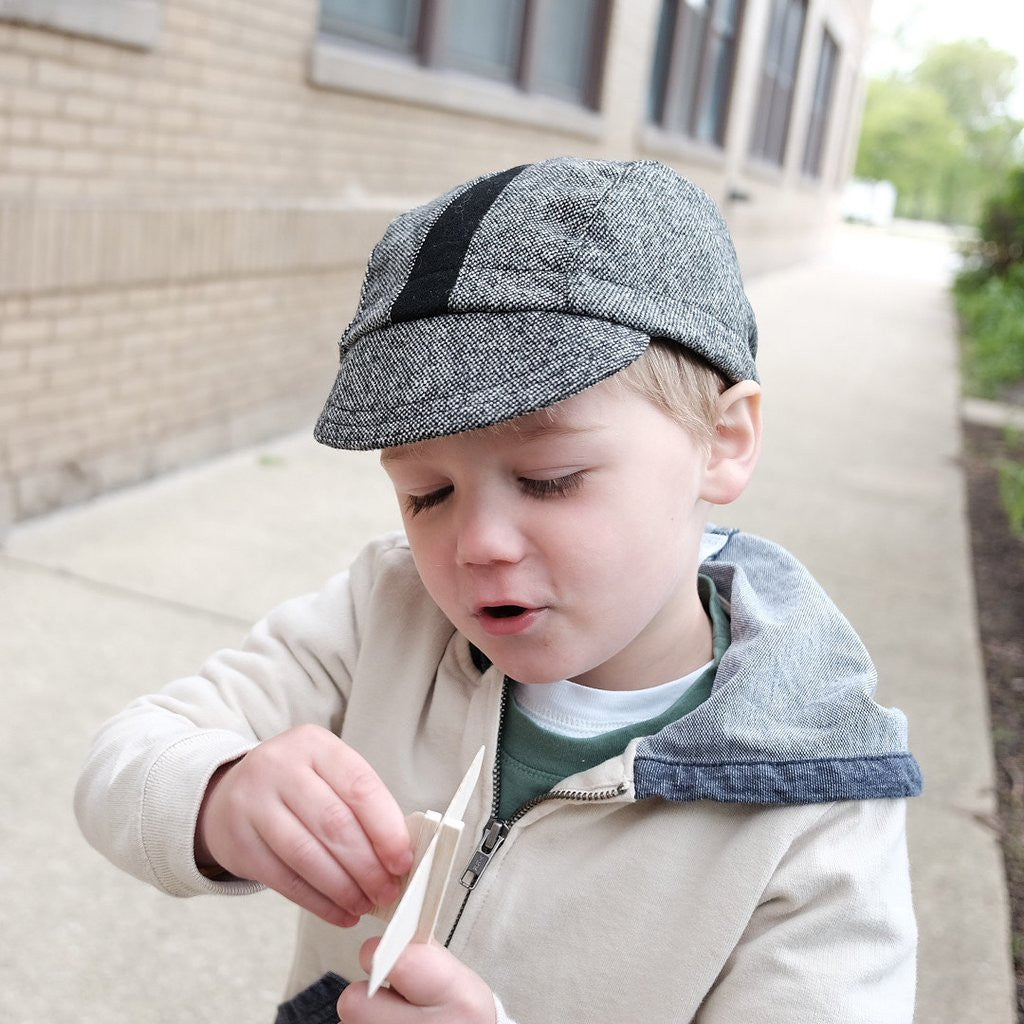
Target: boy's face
565, 544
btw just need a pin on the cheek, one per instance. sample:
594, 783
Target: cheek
623, 543
597, 554
429, 553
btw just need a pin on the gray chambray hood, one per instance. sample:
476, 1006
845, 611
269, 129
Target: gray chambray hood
790, 719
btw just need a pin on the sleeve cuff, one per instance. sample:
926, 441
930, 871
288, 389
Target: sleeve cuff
173, 793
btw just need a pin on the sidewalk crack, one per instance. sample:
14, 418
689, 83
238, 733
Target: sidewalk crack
119, 590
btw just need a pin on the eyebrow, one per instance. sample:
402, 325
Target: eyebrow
399, 453
538, 430
526, 432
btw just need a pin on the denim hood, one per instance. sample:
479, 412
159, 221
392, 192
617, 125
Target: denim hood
790, 719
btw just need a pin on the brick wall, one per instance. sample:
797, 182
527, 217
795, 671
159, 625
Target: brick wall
184, 223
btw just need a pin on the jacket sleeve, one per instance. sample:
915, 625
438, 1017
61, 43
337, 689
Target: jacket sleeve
138, 796
834, 936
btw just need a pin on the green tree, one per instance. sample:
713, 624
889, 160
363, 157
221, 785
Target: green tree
909, 137
943, 134
976, 80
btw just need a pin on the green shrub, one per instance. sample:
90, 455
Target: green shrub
991, 307
1002, 226
1011, 490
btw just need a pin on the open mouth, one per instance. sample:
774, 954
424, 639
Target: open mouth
507, 619
504, 611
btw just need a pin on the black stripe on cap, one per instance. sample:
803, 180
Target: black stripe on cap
440, 258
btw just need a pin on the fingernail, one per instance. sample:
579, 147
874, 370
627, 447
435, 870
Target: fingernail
400, 865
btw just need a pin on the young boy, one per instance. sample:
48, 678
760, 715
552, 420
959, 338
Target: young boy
693, 809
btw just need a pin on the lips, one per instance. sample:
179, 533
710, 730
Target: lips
506, 618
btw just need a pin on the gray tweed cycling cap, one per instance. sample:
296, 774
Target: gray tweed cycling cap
526, 286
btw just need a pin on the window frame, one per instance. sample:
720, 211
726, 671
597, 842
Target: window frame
767, 148
664, 112
822, 104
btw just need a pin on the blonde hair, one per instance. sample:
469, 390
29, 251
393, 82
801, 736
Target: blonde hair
681, 384
677, 381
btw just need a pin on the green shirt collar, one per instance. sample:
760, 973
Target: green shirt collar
534, 758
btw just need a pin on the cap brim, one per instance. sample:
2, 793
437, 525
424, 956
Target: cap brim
413, 381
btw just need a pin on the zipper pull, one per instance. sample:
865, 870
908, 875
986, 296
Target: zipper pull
495, 832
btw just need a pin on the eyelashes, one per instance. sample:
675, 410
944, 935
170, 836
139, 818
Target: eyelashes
416, 503
558, 487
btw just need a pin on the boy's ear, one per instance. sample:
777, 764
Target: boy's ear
737, 444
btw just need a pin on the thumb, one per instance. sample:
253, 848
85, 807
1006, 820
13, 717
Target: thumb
366, 951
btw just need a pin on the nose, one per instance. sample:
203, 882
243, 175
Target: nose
489, 533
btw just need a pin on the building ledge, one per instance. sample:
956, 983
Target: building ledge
134, 23
672, 145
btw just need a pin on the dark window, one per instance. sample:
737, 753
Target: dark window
778, 78
390, 24
483, 37
566, 46
553, 47
694, 60
821, 105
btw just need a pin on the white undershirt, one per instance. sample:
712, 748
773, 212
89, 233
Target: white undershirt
570, 709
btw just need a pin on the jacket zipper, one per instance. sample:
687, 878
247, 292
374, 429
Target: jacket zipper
496, 831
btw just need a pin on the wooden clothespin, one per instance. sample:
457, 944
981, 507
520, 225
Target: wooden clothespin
413, 916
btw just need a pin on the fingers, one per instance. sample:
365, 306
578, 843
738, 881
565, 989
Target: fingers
386, 1007
366, 951
426, 978
325, 843
304, 814
276, 874
365, 796
427, 975
303, 865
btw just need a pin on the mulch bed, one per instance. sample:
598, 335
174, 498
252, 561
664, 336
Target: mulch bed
999, 585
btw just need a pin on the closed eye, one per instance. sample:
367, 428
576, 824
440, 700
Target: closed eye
415, 503
558, 487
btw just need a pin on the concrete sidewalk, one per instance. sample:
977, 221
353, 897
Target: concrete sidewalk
112, 599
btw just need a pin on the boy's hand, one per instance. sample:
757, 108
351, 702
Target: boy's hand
304, 814
427, 984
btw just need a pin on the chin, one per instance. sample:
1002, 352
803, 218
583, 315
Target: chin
533, 679
548, 673
528, 674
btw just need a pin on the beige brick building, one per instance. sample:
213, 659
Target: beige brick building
189, 188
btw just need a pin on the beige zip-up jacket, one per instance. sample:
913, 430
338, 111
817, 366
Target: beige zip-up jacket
598, 906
